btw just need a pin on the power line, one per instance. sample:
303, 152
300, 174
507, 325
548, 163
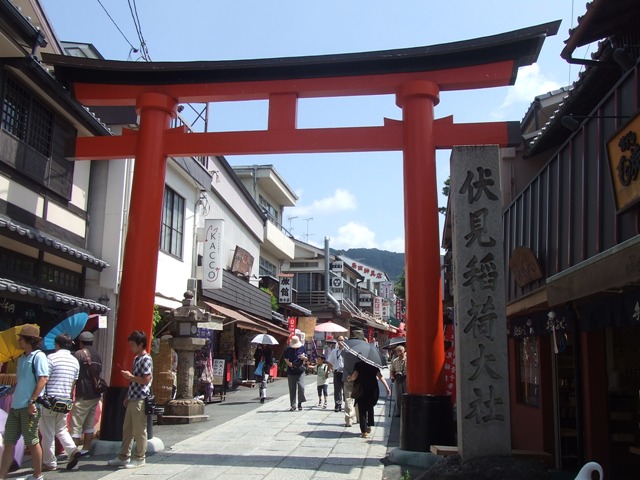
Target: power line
136, 22
116, 25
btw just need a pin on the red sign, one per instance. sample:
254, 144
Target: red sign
450, 363
292, 326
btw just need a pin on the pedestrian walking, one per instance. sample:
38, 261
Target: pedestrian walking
31, 377
295, 358
135, 417
322, 374
266, 358
366, 393
398, 372
63, 374
350, 409
83, 413
336, 361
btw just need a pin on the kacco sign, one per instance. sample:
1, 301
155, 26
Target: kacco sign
213, 259
623, 150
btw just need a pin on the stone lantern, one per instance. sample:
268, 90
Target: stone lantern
184, 320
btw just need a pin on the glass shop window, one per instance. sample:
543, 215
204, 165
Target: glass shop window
528, 386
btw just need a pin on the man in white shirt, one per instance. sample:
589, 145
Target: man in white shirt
63, 373
336, 363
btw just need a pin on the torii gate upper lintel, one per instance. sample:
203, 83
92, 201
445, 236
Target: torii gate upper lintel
415, 76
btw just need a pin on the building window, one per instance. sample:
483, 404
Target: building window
18, 266
172, 229
274, 214
528, 371
267, 268
60, 279
26, 118
30, 124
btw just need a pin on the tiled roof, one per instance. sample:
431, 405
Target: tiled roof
49, 241
7, 285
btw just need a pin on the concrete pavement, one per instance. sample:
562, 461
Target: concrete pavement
267, 441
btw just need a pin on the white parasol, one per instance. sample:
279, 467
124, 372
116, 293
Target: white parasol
330, 327
265, 339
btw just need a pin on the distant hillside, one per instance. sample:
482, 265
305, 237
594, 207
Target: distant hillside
391, 263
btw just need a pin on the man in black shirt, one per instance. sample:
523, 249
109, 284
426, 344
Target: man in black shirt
84, 409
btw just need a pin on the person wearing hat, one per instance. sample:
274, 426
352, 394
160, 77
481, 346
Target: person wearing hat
83, 413
24, 415
295, 357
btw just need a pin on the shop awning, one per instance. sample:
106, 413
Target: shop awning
166, 302
300, 310
271, 328
34, 237
236, 317
44, 294
613, 268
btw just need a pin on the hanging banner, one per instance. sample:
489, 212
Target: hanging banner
213, 262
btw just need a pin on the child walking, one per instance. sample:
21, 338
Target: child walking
323, 389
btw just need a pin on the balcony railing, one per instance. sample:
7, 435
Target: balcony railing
314, 298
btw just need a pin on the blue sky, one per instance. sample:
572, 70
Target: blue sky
354, 199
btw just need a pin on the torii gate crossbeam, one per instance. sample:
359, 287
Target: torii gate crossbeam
416, 76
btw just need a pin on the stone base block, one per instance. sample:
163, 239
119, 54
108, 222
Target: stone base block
495, 468
181, 419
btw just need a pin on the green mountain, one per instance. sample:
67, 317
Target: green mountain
391, 263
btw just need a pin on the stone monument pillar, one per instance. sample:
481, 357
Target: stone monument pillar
482, 373
185, 409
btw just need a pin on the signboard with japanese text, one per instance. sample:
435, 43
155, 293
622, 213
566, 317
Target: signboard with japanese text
386, 290
284, 291
213, 261
242, 262
218, 371
623, 152
336, 266
364, 300
369, 273
481, 362
377, 307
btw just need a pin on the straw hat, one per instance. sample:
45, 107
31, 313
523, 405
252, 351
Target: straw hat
29, 330
295, 342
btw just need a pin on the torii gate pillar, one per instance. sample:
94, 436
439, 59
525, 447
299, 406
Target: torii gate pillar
426, 403
140, 262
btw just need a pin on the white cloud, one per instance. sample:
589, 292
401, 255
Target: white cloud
530, 82
394, 245
340, 201
354, 235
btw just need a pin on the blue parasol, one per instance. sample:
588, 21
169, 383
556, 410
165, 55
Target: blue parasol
73, 324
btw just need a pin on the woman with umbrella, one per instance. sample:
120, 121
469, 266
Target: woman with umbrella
365, 375
263, 358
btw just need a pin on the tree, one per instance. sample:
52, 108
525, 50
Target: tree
399, 285
445, 191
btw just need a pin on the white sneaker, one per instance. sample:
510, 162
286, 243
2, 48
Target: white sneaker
116, 462
31, 477
135, 463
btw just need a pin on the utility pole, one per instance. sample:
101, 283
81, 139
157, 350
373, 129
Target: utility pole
290, 227
307, 235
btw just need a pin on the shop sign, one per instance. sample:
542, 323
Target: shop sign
377, 307
213, 254
386, 290
336, 266
524, 266
242, 262
284, 291
364, 300
623, 151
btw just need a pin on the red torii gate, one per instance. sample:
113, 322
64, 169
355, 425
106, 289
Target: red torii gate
416, 76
